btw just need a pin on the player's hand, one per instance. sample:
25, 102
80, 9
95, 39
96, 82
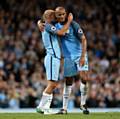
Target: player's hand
41, 25
70, 17
82, 61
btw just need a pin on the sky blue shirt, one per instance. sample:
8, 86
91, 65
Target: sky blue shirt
50, 40
70, 42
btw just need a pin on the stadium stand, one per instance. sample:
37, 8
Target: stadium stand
22, 74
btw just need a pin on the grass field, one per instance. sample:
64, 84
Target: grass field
108, 115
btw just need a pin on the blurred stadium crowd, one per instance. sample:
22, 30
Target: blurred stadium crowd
22, 73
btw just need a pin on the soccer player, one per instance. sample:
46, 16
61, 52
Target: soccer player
52, 59
74, 49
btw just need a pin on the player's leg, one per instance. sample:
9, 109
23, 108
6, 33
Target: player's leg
69, 71
52, 66
46, 97
84, 91
83, 72
67, 91
66, 94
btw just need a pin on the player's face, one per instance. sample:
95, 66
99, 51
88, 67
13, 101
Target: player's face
60, 15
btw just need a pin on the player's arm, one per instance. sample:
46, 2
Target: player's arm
84, 45
84, 50
82, 38
52, 29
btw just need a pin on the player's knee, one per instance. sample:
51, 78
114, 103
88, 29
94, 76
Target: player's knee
83, 81
69, 81
84, 76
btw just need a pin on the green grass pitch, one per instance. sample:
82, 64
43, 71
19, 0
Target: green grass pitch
108, 115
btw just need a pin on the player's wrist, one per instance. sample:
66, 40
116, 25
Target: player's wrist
68, 22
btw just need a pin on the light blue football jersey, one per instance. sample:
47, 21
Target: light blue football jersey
70, 42
50, 40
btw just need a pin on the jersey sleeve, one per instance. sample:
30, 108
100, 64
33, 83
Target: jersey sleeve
51, 29
77, 29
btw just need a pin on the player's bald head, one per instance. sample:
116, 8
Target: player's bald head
59, 8
48, 13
